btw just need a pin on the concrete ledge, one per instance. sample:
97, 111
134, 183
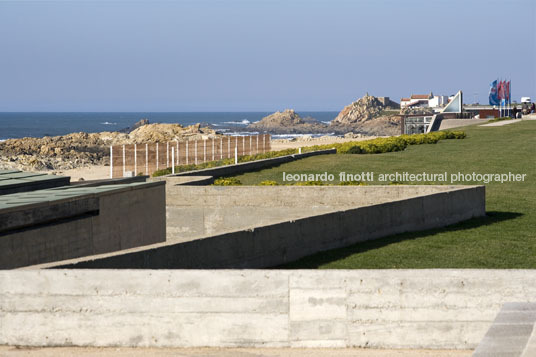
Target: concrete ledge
428, 308
240, 168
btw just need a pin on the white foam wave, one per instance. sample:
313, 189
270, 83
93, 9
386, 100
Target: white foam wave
243, 122
108, 123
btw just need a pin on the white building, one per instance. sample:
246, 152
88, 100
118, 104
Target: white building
424, 100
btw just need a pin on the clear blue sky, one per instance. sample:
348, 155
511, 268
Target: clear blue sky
257, 55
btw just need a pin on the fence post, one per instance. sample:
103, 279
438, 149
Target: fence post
236, 155
195, 153
264, 143
257, 150
156, 156
212, 149
178, 154
167, 154
204, 150
147, 159
135, 159
173, 160
228, 147
299, 150
111, 161
250, 144
123, 160
187, 152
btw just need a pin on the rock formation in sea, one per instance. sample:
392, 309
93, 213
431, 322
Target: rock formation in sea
369, 115
288, 122
84, 149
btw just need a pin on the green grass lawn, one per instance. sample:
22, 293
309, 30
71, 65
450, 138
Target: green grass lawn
505, 238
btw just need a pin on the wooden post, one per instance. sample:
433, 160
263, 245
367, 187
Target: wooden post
257, 149
147, 159
173, 160
204, 150
264, 143
111, 161
212, 149
156, 156
187, 153
167, 154
250, 144
228, 147
135, 159
123, 160
236, 154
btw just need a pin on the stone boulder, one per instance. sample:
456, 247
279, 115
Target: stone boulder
288, 122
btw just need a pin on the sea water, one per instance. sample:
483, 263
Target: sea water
19, 125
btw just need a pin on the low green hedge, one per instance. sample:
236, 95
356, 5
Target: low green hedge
227, 181
390, 144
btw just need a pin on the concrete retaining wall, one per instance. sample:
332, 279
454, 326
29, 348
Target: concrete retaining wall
240, 168
439, 309
84, 225
402, 209
194, 212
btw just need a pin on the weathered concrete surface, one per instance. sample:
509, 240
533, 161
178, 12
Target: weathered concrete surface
438, 309
272, 228
88, 224
223, 352
512, 332
240, 168
194, 212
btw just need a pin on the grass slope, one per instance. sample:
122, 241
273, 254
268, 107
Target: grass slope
505, 238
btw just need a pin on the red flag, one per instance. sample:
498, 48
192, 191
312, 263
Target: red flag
508, 92
500, 89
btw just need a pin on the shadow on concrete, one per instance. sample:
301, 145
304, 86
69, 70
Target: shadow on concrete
317, 260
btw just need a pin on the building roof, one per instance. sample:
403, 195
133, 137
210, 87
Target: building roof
421, 96
405, 99
420, 101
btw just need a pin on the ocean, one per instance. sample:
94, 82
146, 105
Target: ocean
19, 125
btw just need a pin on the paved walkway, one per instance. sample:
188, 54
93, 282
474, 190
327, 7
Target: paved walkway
503, 122
226, 352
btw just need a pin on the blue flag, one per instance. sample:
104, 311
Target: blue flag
493, 95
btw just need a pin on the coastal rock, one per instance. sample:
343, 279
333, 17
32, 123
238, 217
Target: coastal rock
136, 125
416, 110
84, 149
369, 115
288, 122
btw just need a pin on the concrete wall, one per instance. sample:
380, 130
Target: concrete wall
240, 168
438, 309
290, 239
194, 212
91, 224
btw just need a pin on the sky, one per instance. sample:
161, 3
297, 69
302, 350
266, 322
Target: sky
131, 56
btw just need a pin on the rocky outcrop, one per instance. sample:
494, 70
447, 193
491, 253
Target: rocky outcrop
368, 115
416, 110
137, 125
288, 122
83, 149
